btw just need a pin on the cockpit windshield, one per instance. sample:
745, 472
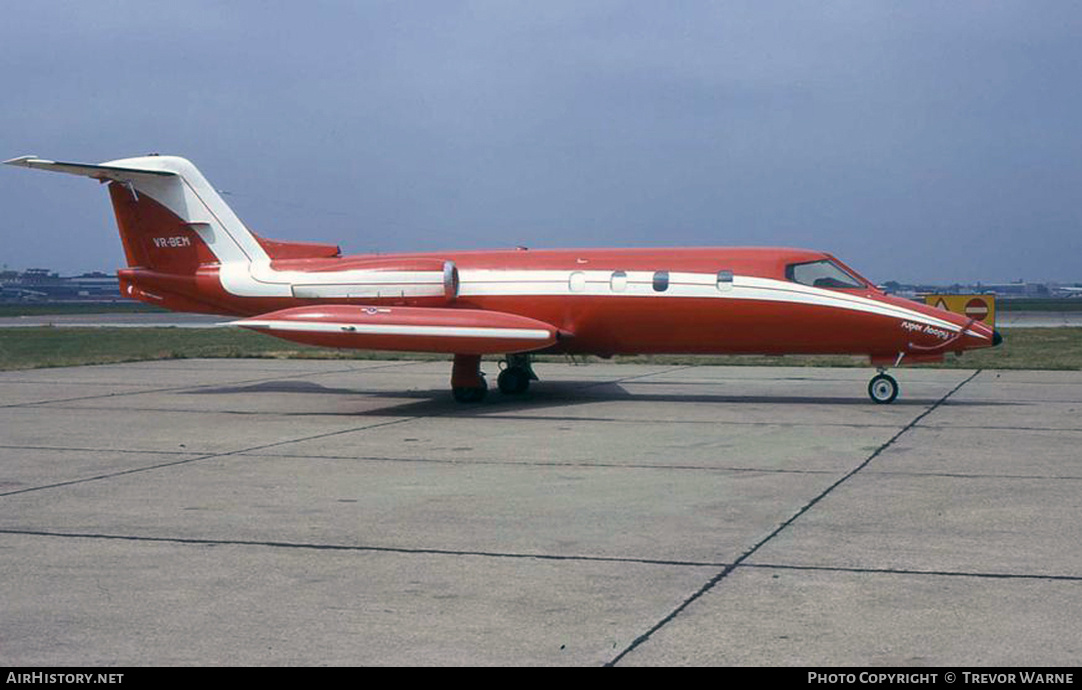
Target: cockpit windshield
824, 274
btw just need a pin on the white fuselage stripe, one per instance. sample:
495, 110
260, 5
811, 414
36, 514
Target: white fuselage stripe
698, 285
520, 283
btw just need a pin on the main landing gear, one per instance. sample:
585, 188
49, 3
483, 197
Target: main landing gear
468, 383
516, 375
467, 380
883, 389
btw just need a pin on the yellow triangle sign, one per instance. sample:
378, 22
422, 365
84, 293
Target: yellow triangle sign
942, 305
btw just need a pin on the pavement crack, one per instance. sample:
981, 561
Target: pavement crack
171, 389
587, 465
360, 547
204, 456
912, 571
712, 582
636, 377
252, 449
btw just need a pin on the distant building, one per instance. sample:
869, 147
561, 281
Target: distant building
1017, 289
43, 285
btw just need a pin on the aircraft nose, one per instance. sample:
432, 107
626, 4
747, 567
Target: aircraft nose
996, 338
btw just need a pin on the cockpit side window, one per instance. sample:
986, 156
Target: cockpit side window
824, 274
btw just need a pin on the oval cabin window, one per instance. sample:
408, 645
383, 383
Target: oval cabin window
618, 281
661, 281
725, 281
577, 282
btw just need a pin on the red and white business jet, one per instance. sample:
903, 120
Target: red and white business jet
188, 251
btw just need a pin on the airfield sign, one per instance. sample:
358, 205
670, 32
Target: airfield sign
979, 307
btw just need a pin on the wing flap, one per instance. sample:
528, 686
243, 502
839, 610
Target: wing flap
406, 329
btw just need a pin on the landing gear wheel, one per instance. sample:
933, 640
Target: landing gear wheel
883, 389
463, 394
513, 381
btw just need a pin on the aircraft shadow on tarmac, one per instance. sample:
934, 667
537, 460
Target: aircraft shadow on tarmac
564, 393
284, 386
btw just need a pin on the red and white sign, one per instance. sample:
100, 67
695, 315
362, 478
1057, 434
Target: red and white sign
977, 308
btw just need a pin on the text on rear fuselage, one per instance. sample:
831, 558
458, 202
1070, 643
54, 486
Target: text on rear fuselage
172, 242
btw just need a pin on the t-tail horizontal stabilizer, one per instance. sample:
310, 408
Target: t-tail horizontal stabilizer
98, 172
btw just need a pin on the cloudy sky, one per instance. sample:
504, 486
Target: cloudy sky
917, 141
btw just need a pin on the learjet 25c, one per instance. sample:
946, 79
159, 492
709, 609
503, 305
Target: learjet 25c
187, 251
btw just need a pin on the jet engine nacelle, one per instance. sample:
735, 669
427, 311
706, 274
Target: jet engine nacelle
417, 281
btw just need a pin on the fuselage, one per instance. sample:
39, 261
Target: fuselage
608, 301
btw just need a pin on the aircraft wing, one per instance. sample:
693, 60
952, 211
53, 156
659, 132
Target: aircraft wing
407, 329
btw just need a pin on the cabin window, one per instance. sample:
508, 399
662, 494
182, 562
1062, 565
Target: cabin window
577, 281
725, 281
661, 281
618, 281
824, 274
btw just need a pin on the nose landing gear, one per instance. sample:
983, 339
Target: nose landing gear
883, 389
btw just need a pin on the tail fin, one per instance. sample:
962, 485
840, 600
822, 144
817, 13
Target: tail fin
170, 219
153, 237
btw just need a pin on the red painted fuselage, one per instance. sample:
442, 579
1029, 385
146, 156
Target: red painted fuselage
606, 302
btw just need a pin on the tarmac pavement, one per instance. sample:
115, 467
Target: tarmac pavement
294, 512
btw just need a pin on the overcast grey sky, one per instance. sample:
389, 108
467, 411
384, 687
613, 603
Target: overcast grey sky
917, 141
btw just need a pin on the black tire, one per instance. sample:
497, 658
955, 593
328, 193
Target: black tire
513, 381
463, 394
883, 389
